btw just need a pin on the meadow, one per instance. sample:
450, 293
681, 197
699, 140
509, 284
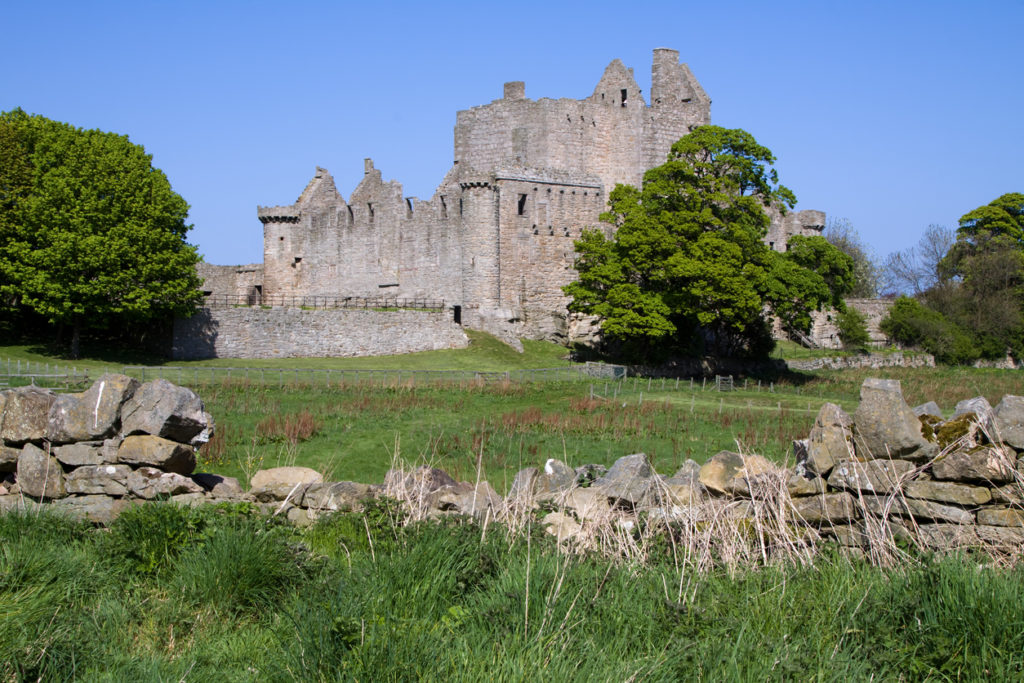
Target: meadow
223, 593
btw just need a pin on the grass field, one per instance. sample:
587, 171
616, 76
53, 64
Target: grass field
353, 430
171, 593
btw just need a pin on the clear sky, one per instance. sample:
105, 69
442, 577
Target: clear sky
894, 115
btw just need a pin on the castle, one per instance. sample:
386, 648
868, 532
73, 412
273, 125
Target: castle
495, 241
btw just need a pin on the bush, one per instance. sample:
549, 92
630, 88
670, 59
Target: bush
913, 324
853, 330
146, 538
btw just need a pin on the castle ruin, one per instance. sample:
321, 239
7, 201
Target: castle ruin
495, 241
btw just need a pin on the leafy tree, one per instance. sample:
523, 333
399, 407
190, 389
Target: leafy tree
841, 234
1003, 216
90, 233
911, 323
687, 269
853, 330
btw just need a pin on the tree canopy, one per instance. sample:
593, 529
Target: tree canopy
91, 234
973, 304
687, 269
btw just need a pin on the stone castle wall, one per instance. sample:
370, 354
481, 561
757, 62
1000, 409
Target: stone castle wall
290, 333
497, 235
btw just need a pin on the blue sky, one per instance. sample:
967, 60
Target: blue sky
895, 115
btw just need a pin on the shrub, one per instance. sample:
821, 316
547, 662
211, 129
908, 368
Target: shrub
911, 323
853, 330
146, 538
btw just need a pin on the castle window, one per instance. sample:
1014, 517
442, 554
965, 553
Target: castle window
460, 206
444, 208
624, 93
280, 239
408, 208
522, 205
369, 207
351, 216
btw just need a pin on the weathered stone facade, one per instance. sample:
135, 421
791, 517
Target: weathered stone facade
497, 236
256, 332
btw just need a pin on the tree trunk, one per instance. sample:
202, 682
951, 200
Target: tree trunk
76, 338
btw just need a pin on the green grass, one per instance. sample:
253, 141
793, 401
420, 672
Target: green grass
484, 353
358, 598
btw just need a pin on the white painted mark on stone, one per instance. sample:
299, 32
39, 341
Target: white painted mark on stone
548, 469
96, 410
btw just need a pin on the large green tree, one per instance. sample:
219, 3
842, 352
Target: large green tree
91, 234
687, 269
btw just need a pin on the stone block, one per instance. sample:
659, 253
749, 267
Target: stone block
149, 483
8, 457
110, 480
93, 414
924, 510
830, 440
155, 451
25, 414
628, 480
219, 486
798, 485
97, 509
826, 508
163, 409
948, 492
1009, 420
80, 454
1001, 517
885, 426
39, 473
732, 473
342, 495
872, 476
987, 464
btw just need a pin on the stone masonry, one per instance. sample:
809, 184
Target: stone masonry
496, 238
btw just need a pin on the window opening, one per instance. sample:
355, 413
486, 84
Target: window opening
369, 206
444, 208
624, 93
408, 208
522, 205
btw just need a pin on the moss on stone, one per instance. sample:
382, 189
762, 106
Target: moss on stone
955, 429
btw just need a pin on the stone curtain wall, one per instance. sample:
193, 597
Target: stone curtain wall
291, 332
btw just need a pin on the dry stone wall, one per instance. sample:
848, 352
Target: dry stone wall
255, 332
885, 477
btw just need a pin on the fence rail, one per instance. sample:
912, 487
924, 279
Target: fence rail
283, 301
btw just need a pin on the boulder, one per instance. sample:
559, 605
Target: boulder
628, 480
39, 473
873, 476
830, 440
561, 525
588, 503
885, 426
97, 509
982, 410
924, 510
1009, 420
555, 477
8, 457
283, 483
948, 492
523, 485
220, 486
155, 451
110, 480
149, 483
732, 473
992, 464
93, 414
930, 408
166, 410
342, 495
421, 481
824, 508
467, 499
24, 416
80, 454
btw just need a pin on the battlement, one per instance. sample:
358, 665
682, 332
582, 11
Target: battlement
277, 214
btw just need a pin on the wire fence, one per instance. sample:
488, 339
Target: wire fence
14, 373
312, 302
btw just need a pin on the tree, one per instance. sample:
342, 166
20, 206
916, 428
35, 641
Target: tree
914, 271
90, 233
841, 234
687, 269
853, 330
